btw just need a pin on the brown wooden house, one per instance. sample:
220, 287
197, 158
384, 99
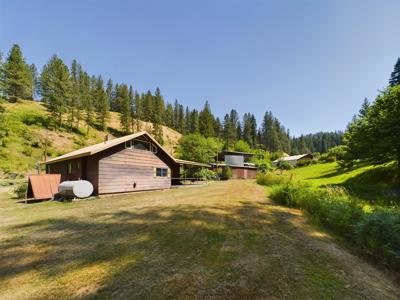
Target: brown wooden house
135, 162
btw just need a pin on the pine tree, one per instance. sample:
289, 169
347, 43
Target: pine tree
269, 134
249, 129
395, 76
138, 111
148, 107
34, 81
229, 132
125, 104
131, 95
169, 116
181, 119
55, 87
234, 119
206, 121
86, 98
364, 108
217, 127
159, 106
17, 76
115, 105
238, 131
110, 92
194, 121
102, 107
176, 115
74, 104
187, 121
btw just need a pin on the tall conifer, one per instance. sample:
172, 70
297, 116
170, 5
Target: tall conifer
17, 76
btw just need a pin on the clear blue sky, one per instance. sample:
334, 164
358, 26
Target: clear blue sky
310, 62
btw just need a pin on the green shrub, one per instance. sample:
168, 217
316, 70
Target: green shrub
20, 190
305, 162
224, 173
379, 236
205, 174
377, 231
269, 179
284, 165
27, 151
327, 157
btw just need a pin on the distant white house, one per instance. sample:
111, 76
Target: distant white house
294, 159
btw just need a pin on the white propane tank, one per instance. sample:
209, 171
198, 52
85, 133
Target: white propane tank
75, 188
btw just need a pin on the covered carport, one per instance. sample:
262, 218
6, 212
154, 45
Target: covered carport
181, 164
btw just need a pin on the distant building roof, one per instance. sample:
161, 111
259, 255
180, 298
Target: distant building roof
237, 153
191, 163
291, 158
245, 166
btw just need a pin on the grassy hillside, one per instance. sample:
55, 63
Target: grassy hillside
24, 130
372, 183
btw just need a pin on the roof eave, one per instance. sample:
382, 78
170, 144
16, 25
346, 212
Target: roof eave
54, 160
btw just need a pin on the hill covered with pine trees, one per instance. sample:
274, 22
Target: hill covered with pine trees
27, 136
77, 109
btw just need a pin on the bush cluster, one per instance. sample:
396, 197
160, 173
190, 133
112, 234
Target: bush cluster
270, 179
305, 162
284, 165
20, 190
205, 174
224, 173
375, 230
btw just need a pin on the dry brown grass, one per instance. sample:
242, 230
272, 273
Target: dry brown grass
171, 137
224, 240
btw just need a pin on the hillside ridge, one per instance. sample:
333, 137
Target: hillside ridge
25, 135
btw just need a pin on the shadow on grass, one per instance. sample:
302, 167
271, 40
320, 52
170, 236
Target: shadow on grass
338, 171
380, 185
187, 252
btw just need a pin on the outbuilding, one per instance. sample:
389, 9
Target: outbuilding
294, 159
238, 162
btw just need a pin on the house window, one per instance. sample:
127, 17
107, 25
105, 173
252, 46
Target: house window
128, 144
69, 168
78, 165
153, 148
141, 145
48, 169
161, 172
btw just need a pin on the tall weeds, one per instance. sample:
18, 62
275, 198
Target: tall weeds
376, 230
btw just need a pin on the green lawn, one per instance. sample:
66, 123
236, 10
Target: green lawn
371, 183
327, 173
223, 240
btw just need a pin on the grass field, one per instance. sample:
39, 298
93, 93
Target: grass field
371, 183
223, 240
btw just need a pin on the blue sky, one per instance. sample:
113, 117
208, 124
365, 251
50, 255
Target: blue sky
310, 62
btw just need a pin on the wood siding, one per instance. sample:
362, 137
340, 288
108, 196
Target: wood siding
244, 173
62, 168
129, 170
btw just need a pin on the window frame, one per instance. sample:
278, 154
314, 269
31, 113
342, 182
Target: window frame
128, 143
161, 172
69, 168
142, 141
153, 148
